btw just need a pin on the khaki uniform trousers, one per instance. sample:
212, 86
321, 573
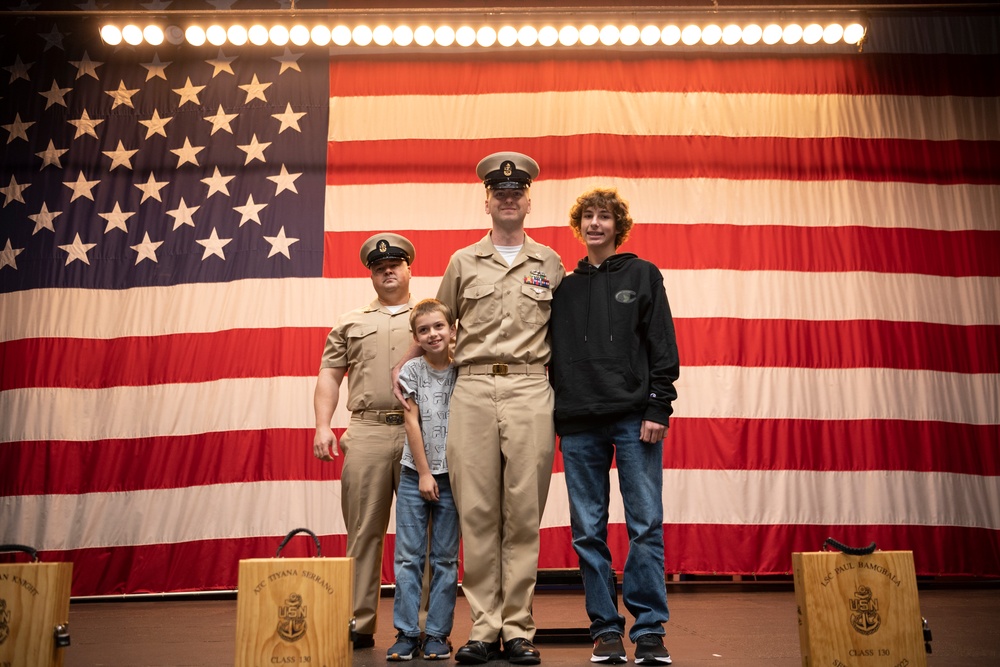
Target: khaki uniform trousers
368, 483
501, 441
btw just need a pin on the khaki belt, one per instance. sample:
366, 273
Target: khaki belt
391, 417
502, 369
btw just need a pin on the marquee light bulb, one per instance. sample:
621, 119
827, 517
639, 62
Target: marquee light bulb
111, 35
257, 34
691, 35
278, 35
132, 34
732, 34
671, 35
569, 35
340, 35
833, 33
486, 36
153, 34
854, 33
752, 34
629, 35
589, 35
237, 35
465, 36
527, 36
711, 35
403, 35
195, 35
216, 35
610, 35
382, 34
548, 36
320, 35
772, 34
507, 35
792, 34
362, 35
812, 33
650, 35
423, 35
445, 35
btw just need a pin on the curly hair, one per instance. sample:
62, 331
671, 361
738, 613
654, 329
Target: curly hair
606, 198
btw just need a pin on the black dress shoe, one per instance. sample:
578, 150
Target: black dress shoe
363, 640
477, 653
520, 651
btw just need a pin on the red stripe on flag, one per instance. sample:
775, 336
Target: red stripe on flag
106, 466
628, 156
855, 74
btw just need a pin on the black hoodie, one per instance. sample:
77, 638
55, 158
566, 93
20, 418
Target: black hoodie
614, 351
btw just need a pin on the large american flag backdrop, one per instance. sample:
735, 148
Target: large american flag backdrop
179, 229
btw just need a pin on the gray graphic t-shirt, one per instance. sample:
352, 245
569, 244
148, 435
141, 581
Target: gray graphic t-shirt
431, 390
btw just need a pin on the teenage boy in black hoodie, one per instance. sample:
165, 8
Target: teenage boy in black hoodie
614, 363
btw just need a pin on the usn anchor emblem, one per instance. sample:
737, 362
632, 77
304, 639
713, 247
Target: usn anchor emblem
292, 618
864, 612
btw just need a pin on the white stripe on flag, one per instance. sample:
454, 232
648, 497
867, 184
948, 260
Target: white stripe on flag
750, 203
557, 113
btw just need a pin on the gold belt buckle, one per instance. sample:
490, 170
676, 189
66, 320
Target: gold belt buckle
498, 369
394, 418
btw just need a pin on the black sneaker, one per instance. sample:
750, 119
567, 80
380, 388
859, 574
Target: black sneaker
608, 648
649, 650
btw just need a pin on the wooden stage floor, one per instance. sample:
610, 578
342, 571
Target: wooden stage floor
723, 625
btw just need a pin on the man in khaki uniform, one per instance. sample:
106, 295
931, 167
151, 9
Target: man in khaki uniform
367, 342
501, 438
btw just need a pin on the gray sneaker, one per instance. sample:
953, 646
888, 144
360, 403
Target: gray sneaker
649, 650
608, 648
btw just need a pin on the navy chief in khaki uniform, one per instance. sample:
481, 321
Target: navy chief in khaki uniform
364, 345
500, 437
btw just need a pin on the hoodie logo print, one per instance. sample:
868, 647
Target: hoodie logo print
625, 296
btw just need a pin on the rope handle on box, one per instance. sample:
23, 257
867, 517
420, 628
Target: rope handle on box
850, 551
22, 548
289, 536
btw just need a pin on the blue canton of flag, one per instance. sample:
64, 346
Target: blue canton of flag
128, 167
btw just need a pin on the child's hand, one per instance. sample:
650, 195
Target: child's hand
429, 488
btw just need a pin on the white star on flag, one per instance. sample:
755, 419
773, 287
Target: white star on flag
122, 95
13, 191
156, 68
120, 156
151, 188
8, 254
146, 249
213, 245
288, 60
77, 250
285, 181
85, 125
217, 183
55, 95
182, 215
187, 153
221, 120
43, 219
86, 66
255, 90
222, 63
249, 211
289, 119
51, 156
156, 125
116, 219
19, 70
17, 128
280, 243
189, 93
53, 38
81, 187
255, 149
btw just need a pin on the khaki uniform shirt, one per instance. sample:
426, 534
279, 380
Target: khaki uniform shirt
369, 341
503, 311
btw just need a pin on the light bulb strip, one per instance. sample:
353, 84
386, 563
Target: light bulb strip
382, 35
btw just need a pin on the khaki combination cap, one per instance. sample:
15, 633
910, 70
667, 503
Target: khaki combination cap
386, 246
507, 171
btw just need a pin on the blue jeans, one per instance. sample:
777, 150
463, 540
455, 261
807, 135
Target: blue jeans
413, 515
587, 461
